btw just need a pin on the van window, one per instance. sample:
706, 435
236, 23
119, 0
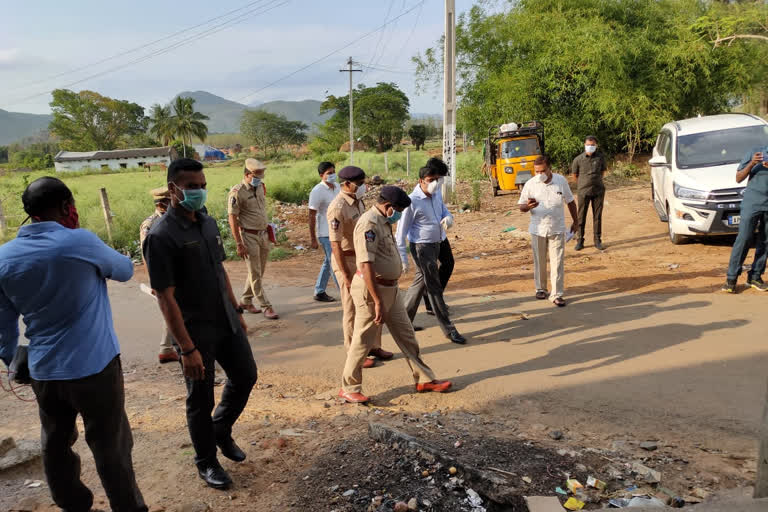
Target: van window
719, 147
518, 148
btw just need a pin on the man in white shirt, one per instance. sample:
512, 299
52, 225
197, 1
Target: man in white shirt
319, 199
544, 197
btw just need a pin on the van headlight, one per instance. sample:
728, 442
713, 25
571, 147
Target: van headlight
690, 193
509, 170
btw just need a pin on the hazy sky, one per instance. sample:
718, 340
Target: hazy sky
272, 38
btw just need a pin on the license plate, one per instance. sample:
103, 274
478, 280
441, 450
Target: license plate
734, 220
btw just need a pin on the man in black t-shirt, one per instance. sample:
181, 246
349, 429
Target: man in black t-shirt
184, 255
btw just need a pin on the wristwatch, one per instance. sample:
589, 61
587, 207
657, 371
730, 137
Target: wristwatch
240, 310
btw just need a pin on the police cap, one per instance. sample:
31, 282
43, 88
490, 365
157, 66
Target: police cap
351, 173
396, 196
160, 194
252, 164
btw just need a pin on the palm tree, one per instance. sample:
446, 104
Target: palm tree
162, 127
187, 122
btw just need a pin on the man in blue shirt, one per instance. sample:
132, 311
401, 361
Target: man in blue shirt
54, 274
754, 216
423, 224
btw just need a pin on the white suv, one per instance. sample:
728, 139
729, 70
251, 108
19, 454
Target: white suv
693, 172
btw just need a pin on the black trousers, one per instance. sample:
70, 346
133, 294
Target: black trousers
100, 400
596, 198
233, 353
427, 280
445, 258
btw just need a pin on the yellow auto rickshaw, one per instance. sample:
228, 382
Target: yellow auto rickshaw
509, 154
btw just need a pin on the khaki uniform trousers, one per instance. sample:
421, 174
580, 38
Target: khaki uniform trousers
347, 304
552, 246
367, 332
166, 342
257, 246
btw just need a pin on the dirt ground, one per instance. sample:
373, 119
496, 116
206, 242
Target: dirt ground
637, 356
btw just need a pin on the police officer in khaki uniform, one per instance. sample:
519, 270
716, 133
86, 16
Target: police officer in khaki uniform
247, 208
378, 300
343, 214
162, 199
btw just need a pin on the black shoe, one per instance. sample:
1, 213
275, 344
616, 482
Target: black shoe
579, 245
599, 245
230, 450
541, 295
455, 337
430, 312
417, 328
757, 284
729, 286
215, 476
323, 297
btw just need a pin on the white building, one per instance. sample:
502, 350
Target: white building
119, 159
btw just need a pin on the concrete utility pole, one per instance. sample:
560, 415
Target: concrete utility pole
351, 63
449, 95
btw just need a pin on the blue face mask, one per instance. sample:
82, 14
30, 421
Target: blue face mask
394, 217
194, 199
255, 182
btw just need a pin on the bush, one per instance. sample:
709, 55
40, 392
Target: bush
293, 191
335, 157
627, 170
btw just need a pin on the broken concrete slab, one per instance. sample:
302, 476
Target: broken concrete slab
543, 504
492, 485
6, 445
25, 451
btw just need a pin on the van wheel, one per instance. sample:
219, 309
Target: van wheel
674, 237
494, 188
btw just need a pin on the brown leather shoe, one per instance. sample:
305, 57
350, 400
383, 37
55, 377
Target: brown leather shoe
167, 357
353, 398
270, 314
251, 308
380, 353
437, 386
369, 362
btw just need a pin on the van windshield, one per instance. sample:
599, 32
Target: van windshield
518, 148
720, 147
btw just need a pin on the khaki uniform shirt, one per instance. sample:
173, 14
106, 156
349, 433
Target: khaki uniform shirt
343, 214
147, 225
375, 244
589, 171
249, 204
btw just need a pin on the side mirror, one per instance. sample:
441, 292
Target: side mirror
658, 161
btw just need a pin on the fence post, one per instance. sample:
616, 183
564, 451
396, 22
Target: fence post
3, 224
407, 162
107, 212
761, 482
464, 145
386, 163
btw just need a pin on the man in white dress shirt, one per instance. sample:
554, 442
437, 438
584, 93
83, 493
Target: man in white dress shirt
544, 196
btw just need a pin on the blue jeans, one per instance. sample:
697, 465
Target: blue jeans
751, 220
325, 270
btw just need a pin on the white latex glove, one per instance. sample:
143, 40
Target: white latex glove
447, 223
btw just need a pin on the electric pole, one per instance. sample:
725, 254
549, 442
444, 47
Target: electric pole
351, 63
449, 94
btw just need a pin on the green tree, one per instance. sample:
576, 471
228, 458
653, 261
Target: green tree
618, 69
161, 125
3, 154
380, 114
87, 121
271, 132
418, 135
187, 122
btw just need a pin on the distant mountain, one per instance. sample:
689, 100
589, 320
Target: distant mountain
225, 114
14, 126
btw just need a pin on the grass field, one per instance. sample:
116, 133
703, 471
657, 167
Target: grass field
131, 203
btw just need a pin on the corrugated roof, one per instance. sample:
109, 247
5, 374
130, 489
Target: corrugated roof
72, 156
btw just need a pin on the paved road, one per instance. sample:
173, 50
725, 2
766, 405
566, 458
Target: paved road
679, 358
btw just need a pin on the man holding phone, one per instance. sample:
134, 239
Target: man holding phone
544, 197
754, 216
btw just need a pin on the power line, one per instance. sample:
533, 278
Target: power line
337, 50
413, 30
210, 31
381, 36
137, 48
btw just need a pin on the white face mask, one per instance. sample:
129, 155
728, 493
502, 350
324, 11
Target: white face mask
432, 187
331, 178
590, 148
542, 177
360, 192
